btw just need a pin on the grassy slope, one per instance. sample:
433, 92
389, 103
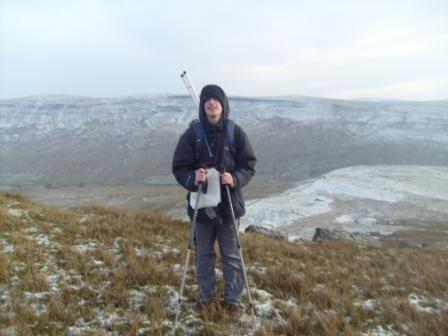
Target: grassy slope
95, 270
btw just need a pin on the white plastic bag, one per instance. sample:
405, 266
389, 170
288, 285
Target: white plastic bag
213, 195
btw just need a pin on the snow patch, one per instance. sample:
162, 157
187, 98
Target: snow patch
87, 247
422, 304
380, 331
377, 191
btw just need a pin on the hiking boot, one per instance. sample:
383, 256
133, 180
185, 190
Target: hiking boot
199, 307
232, 309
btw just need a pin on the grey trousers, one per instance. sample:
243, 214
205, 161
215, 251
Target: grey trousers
206, 235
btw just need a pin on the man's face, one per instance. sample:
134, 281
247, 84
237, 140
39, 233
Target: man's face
213, 110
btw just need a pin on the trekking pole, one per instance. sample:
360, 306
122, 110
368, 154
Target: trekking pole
193, 93
222, 170
187, 259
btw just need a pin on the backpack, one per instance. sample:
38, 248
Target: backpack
201, 138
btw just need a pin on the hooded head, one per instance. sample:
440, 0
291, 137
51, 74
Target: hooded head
216, 92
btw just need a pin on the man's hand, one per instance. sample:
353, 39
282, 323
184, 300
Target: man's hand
227, 178
200, 176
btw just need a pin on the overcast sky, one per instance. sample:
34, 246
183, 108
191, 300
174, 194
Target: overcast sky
341, 49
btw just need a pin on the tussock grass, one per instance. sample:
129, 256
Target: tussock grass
89, 270
4, 267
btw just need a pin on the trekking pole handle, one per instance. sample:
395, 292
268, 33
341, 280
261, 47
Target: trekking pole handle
190, 87
203, 166
222, 170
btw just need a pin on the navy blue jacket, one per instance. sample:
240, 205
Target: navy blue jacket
241, 164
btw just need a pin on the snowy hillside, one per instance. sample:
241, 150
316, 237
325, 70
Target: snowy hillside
103, 271
75, 141
390, 119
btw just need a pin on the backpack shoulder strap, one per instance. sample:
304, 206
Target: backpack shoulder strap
199, 138
195, 124
231, 136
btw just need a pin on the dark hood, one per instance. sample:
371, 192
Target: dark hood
212, 90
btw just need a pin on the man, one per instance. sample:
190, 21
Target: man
190, 166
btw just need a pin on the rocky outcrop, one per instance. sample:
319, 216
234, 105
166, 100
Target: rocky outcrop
322, 234
270, 233
407, 244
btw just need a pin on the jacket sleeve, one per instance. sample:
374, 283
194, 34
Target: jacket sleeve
183, 164
244, 159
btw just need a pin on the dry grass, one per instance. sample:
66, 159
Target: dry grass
95, 269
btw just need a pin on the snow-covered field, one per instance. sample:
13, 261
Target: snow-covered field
357, 199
